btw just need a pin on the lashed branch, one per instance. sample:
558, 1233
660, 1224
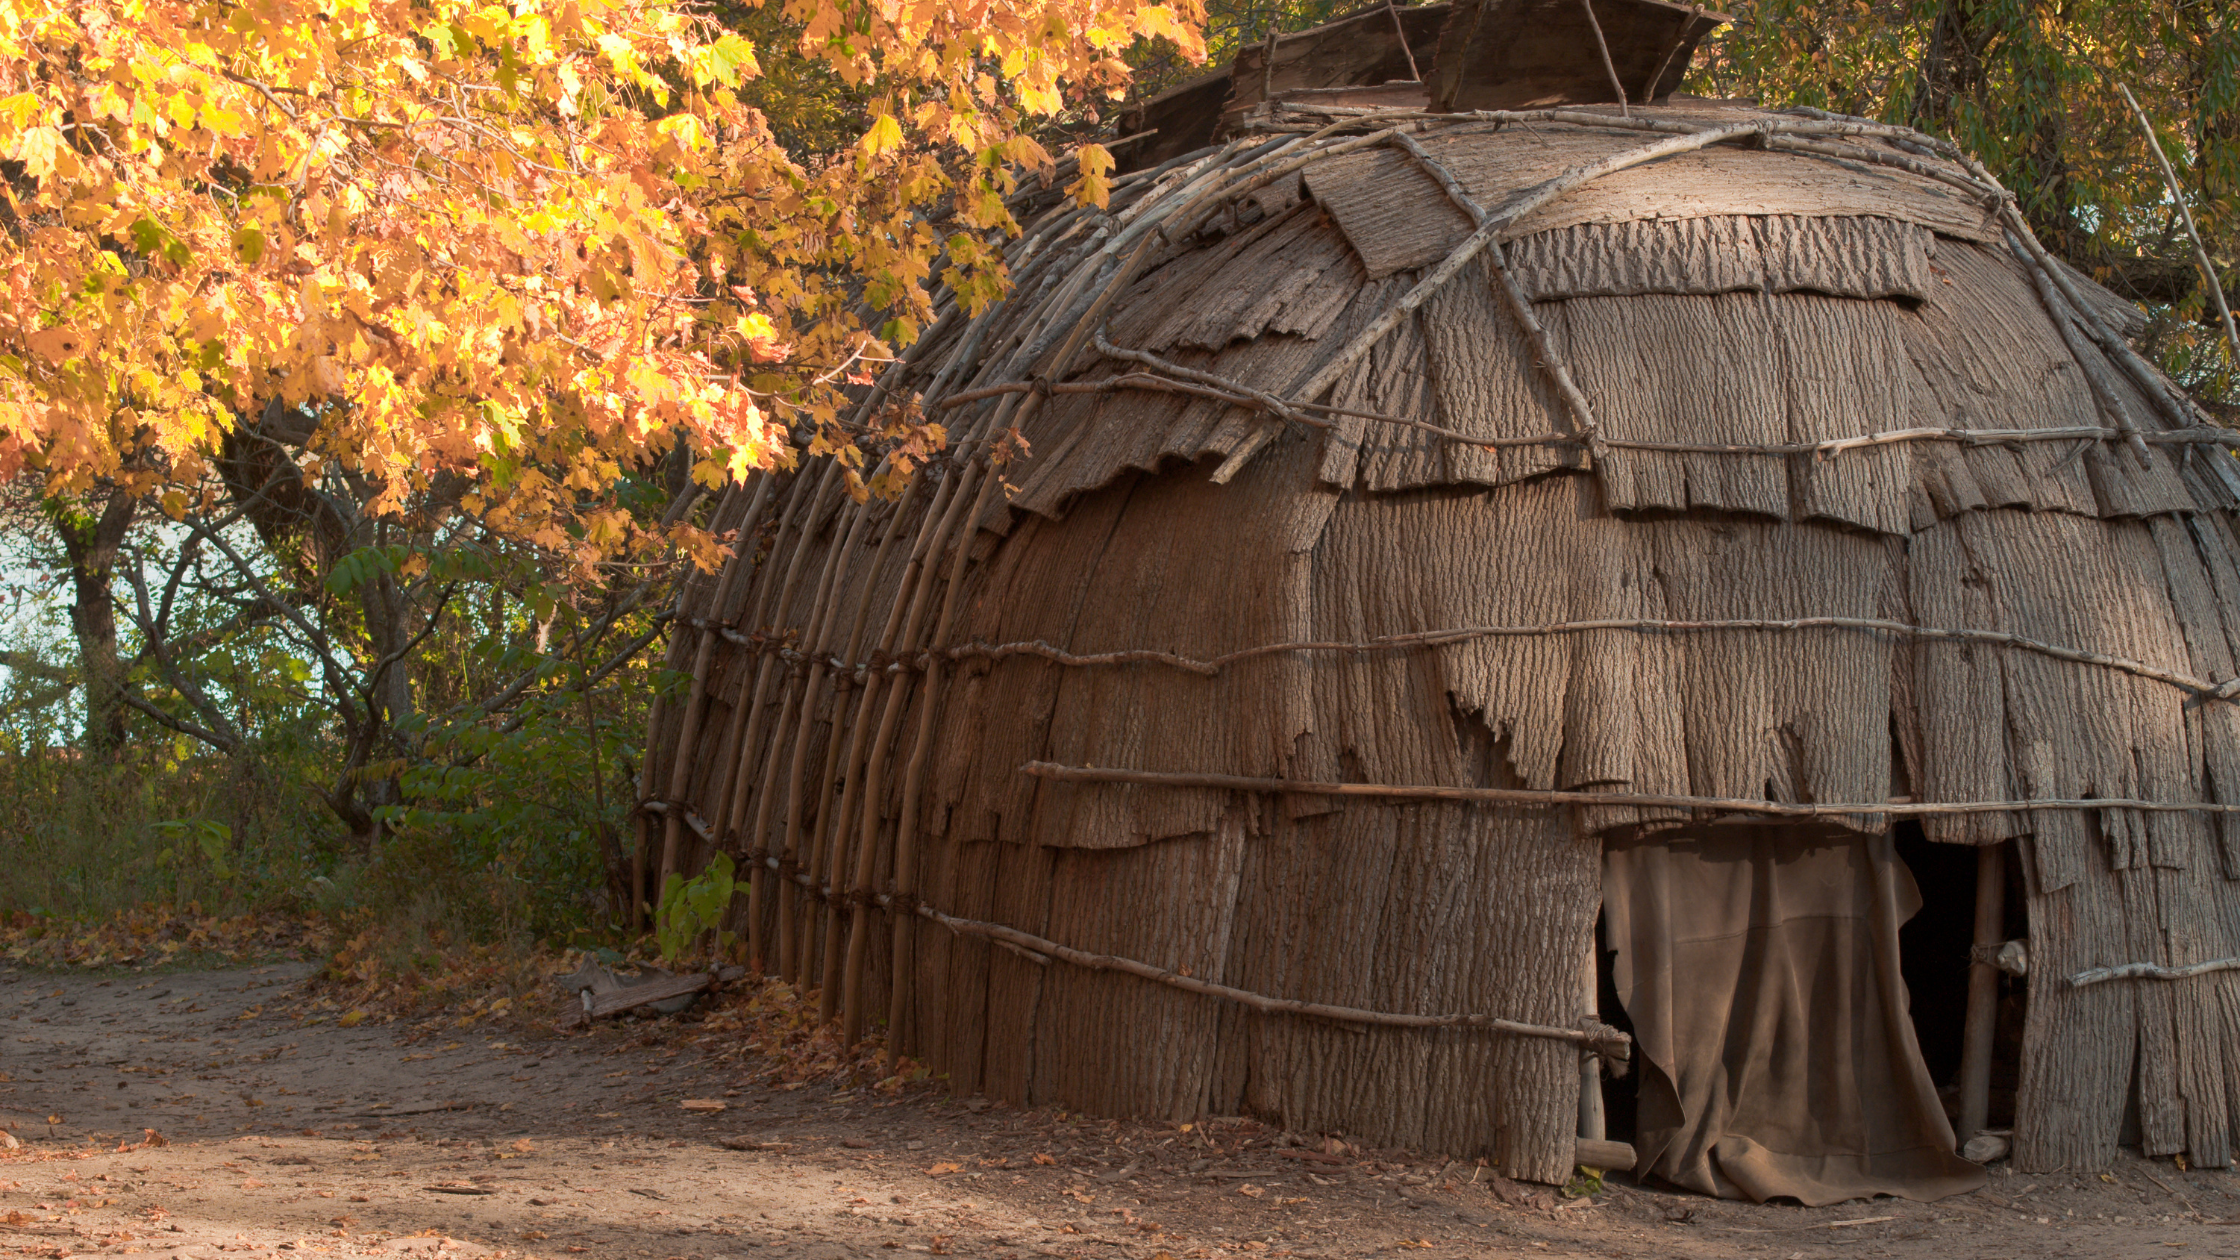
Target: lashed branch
1212, 666
1497, 223
1519, 302
1647, 800
1238, 394
1600, 1038
1809, 133
2105, 390
1247, 396
1799, 135
2151, 971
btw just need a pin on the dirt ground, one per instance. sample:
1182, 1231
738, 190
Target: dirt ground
282, 1132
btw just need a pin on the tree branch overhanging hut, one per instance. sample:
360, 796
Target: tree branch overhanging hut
1497, 587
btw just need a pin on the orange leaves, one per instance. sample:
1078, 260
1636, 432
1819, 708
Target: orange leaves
316, 203
1092, 188
155, 934
489, 240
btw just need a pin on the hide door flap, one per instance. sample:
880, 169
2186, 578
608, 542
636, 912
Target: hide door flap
1759, 965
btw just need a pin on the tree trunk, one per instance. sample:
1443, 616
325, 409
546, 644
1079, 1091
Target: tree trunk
91, 542
391, 622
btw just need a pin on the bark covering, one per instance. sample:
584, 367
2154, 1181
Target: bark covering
1711, 305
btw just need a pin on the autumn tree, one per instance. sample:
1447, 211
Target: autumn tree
2032, 89
345, 298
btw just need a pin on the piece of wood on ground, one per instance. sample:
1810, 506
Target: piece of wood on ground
602, 1005
1596, 1153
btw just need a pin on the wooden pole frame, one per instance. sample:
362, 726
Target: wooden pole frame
1983, 993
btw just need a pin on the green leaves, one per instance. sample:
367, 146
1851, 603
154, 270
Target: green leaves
153, 240
206, 836
2031, 91
359, 567
690, 907
458, 564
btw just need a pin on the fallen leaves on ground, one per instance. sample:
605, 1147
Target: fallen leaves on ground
438, 984
773, 1030
157, 934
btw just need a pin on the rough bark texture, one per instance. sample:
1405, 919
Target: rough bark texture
91, 545
1723, 297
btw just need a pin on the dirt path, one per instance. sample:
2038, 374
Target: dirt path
289, 1134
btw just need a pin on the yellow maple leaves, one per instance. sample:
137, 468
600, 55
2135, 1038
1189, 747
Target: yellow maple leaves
476, 238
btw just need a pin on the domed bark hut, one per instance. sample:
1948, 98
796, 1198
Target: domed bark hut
1416, 586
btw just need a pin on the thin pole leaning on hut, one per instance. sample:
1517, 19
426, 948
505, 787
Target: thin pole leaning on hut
1602, 45
868, 762
803, 838
1400, 29
1592, 1123
748, 720
717, 622
935, 530
929, 700
838, 564
935, 519
744, 735
2185, 214
906, 839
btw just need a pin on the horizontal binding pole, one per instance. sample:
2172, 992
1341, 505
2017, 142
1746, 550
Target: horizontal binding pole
1794, 122
2150, 971
1600, 1038
2202, 687
700, 826
1237, 394
1529, 796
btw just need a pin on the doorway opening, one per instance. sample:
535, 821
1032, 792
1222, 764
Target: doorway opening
1621, 1095
1934, 951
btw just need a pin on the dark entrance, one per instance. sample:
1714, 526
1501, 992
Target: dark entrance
1935, 944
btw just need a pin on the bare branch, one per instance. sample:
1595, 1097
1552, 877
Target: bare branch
217, 740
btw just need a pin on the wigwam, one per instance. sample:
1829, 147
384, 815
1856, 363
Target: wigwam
1449, 589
